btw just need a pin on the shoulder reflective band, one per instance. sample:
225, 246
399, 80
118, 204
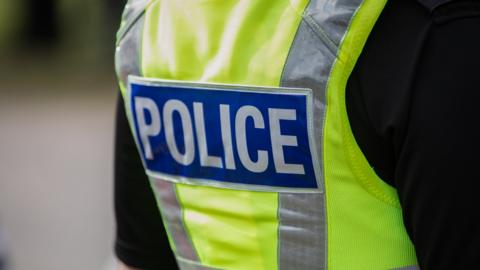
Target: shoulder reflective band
224, 135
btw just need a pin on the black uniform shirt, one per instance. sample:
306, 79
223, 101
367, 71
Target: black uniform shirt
413, 101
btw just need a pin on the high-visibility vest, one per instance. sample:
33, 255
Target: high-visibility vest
336, 213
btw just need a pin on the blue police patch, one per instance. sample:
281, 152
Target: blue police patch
228, 136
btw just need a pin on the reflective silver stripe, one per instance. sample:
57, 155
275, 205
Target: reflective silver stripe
191, 265
303, 224
127, 56
172, 213
129, 40
301, 231
134, 9
332, 16
128, 62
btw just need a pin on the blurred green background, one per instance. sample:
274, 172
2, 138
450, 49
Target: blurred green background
57, 106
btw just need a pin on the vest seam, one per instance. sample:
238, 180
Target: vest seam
321, 34
316, 28
363, 179
324, 137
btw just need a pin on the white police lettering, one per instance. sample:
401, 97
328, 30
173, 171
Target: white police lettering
169, 108
241, 132
147, 130
205, 159
227, 136
277, 139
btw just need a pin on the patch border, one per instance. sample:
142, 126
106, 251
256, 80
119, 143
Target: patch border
132, 79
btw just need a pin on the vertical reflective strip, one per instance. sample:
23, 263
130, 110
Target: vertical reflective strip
129, 41
128, 62
301, 231
172, 213
332, 17
189, 265
127, 56
134, 9
303, 222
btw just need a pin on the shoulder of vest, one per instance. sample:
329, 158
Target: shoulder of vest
133, 10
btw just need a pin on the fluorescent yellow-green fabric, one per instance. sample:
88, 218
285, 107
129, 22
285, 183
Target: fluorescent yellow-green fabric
228, 41
245, 238
237, 42
365, 229
247, 42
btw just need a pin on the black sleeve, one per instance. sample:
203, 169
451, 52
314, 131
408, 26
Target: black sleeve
413, 102
437, 175
141, 241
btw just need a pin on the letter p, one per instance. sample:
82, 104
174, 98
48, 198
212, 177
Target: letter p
145, 130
